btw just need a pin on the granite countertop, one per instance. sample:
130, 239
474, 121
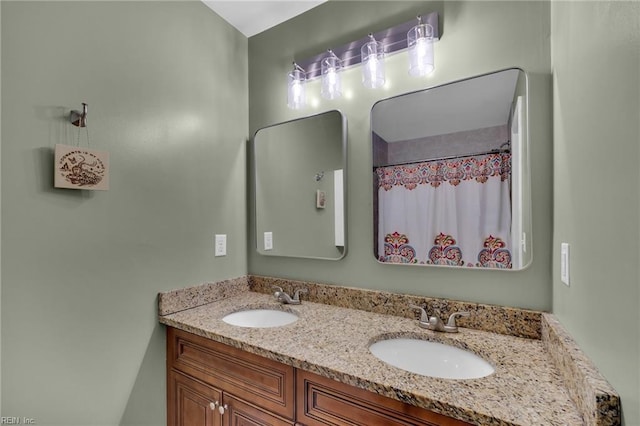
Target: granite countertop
526, 388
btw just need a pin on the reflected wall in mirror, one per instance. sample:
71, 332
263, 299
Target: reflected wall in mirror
300, 187
451, 175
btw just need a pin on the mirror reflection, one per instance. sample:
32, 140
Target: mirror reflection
451, 175
300, 176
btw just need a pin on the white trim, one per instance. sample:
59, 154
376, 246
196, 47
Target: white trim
338, 196
517, 206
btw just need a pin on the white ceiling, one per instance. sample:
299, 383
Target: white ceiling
253, 17
476, 103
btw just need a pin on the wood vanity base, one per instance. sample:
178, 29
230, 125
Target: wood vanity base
212, 384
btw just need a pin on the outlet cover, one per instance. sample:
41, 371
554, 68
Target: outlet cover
564, 263
268, 240
221, 245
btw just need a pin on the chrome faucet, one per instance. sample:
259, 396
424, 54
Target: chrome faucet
283, 297
435, 323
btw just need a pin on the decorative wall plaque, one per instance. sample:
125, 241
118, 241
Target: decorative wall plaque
81, 168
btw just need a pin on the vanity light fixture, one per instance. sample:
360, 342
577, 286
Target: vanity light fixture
370, 51
295, 87
331, 84
420, 47
372, 57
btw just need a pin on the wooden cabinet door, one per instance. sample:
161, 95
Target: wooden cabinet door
240, 413
191, 403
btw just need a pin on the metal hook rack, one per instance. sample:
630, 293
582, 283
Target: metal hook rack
77, 118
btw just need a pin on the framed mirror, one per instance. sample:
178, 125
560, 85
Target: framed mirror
451, 175
300, 187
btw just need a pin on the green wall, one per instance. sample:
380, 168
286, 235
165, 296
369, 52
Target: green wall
166, 84
596, 104
0, 213
167, 89
478, 37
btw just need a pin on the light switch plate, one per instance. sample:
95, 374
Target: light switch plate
268, 240
564, 263
221, 245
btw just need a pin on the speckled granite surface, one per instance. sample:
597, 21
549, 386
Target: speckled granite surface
497, 319
190, 297
566, 371
598, 402
526, 388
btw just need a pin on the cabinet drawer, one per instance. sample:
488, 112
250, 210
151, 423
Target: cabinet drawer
322, 402
263, 382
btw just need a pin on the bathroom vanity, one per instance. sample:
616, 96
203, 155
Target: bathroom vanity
210, 383
319, 370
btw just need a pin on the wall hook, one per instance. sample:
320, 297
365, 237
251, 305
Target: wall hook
77, 118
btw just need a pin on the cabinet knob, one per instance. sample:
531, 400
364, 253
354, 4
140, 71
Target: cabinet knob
223, 408
214, 405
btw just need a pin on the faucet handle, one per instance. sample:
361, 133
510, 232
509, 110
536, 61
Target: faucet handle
296, 295
423, 313
278, 292
451, 323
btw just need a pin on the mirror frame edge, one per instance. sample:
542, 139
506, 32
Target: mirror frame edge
345, 143
527, 186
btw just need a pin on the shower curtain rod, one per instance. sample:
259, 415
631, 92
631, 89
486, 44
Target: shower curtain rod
451, 157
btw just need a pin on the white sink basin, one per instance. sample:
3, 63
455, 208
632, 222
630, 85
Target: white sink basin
260, 318
431, 359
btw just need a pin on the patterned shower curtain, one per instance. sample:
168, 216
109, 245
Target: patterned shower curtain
453, 212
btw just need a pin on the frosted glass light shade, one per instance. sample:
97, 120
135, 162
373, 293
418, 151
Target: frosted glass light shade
372, 59
331, 84
420, 47
295, 89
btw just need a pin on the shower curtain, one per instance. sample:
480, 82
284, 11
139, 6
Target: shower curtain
454, 212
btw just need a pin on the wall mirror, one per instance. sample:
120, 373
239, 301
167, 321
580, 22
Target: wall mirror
451, 175
300, 187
